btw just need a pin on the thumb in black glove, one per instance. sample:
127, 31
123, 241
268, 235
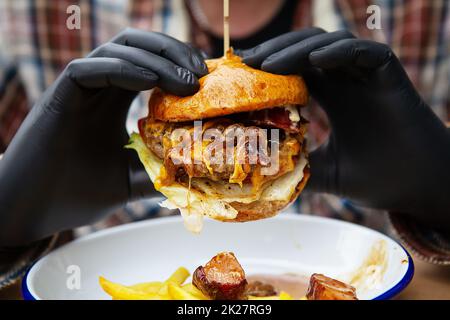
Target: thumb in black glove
387, 149
67, 165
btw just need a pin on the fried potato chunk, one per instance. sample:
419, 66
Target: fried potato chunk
324, 288
222, 278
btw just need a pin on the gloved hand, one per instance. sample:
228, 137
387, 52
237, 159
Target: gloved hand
67, 165
387, 149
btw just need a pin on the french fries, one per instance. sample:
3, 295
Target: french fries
120, 292
178, 293
189, 287
179, 276
149, 287
173, 288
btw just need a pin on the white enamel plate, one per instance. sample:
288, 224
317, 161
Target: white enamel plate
151, 250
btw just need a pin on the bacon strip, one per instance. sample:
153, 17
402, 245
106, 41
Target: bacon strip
275, 117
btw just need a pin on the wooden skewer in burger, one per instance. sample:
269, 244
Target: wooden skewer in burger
233, 98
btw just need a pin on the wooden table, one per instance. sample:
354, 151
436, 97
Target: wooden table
429, 282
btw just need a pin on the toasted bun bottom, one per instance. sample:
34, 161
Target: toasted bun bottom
222, 201
261, 209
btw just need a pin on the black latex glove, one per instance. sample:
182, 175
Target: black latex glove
67, 165
387, 149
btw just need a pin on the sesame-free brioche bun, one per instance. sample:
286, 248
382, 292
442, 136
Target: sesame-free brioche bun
230, 87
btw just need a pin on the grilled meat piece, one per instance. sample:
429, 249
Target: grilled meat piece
324, 288
260, 289
222, 278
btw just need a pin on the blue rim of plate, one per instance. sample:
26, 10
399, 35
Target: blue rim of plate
391, 293
26, 294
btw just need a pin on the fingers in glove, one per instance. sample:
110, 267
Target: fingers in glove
351, 53
105, 72
295, 58
359, 58
254, 57
172, 77
323, 177
200, 52
164, 46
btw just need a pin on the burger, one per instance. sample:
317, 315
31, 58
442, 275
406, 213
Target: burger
185, 147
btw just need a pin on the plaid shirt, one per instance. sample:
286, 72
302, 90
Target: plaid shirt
35, 45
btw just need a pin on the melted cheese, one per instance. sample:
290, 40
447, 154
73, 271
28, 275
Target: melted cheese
239, 174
